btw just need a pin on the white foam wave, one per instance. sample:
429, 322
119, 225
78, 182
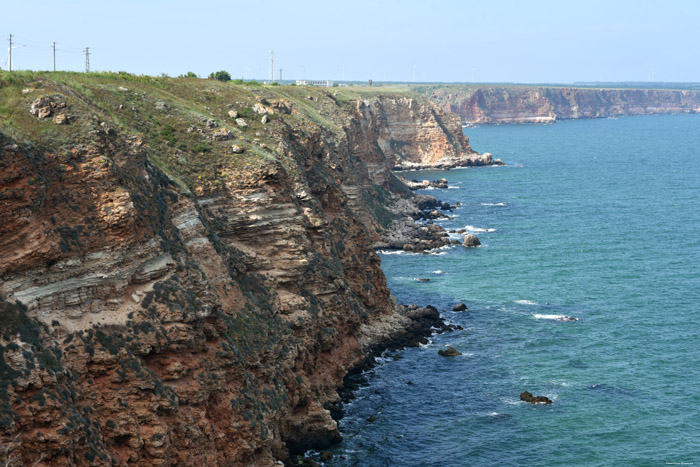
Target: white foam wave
555, 317
454, 188
471, 228
438, 272
396, 252
526, 302
493, 204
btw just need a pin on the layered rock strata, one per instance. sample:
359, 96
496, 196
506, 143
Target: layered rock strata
524, 104
166, 301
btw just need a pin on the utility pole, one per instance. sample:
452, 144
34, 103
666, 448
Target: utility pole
280, 75
272, 66
87, 59
10, 60
54, 56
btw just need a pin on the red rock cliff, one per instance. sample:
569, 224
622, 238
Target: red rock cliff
187, 271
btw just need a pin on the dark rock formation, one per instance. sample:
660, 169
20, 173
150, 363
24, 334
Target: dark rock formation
471, 241
449, 352
527, 397
460, 307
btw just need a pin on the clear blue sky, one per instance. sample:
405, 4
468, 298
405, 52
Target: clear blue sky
492, 40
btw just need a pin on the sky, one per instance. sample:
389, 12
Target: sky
415, 41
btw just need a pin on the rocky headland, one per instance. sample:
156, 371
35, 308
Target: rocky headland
187, 267
490, 104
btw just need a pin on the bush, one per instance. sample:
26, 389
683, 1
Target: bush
189, 74
221, 75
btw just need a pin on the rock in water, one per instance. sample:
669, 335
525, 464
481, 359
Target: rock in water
471, 241
460, 307
528, 397
421, 279
449, 352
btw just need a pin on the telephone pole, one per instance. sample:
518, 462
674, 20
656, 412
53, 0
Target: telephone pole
54, 56
87, 59
272, 66
280, 75
10, 60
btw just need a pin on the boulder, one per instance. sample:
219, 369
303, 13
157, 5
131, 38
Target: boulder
161, 106
211, 123
222, 134
236, 149
442, 183
261, 109
449, 352
60, 119
233, 113
41, 107
326, 456
241, 122
528, 397
471, 241
264, 119
460, 307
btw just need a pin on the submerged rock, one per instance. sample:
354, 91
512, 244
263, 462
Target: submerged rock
528, 397
460, 307
449, 352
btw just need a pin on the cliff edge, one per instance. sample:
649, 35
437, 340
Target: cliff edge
187, 266
535, 104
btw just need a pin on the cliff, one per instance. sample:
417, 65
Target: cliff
187, 266
527, 104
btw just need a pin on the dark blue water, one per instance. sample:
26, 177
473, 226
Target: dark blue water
594, 219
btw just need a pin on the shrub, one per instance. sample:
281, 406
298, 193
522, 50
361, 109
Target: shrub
221, 75
190, 74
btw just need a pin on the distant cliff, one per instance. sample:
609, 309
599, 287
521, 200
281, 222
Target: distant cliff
525, 104
187, 266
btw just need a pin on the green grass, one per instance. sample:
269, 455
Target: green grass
178, 140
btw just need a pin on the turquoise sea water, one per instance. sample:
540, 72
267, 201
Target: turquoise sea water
594, 219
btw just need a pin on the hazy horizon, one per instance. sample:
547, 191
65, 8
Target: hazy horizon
542, 42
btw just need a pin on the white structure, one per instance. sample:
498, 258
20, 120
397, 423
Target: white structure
311, 82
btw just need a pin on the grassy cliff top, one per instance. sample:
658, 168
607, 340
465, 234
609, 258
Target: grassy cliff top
188, 125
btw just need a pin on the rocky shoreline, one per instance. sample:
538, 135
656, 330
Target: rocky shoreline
171, 301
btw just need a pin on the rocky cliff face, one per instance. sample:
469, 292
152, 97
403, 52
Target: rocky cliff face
519, 104
180, 286
417, 134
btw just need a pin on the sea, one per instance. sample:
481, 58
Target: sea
597, 220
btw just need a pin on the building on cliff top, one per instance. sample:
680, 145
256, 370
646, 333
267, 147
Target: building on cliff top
311, 82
